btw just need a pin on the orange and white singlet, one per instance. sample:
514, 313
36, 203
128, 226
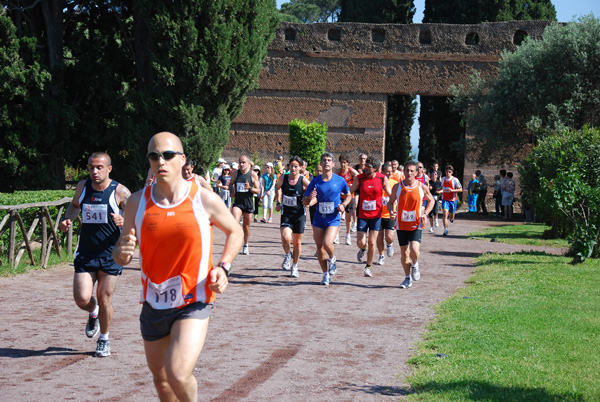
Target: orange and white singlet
398, 176
349, 180
410, 201
447, 185
175, 250
385, 199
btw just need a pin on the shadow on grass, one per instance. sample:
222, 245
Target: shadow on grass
485, 391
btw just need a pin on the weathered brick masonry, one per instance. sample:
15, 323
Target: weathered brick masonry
342, 73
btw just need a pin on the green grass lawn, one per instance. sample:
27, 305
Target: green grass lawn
526, 328
530, 234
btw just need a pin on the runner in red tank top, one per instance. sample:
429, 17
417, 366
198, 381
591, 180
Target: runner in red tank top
349, 174
371, 185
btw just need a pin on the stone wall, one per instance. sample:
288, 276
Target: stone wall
342, 73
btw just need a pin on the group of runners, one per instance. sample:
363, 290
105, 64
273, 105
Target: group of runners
171, 221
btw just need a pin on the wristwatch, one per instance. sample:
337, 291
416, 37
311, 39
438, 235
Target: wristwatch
226, 267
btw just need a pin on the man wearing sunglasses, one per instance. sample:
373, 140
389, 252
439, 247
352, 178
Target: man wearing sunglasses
172, 221
100, 201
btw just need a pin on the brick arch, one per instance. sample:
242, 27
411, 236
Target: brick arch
342, 73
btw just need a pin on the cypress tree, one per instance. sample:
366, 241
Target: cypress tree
401, 108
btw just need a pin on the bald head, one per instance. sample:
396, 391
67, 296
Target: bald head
165, 141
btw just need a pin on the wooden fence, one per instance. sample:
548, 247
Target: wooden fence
12, 221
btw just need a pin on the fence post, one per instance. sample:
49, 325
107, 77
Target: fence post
12, 237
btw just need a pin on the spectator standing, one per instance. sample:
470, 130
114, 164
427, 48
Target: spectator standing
483, 189
267, 183
508, 195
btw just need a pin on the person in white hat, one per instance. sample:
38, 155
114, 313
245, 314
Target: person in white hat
216, 173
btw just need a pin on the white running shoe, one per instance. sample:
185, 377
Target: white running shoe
332, 266
368, 272
326, 279
406, 284
245, 250
294, 273
337, 239
390, 250
103, 348
92, 327
431, 229
381, 259
445, 232
360, 255
437, 223
348, 240
415, 273
287, 262
353, 227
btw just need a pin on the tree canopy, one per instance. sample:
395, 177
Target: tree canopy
533, 95
120, 72
309, 11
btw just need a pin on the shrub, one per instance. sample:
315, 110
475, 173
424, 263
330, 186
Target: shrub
561, 177
308, 141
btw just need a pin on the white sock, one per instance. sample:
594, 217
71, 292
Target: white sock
95, 312
103, 336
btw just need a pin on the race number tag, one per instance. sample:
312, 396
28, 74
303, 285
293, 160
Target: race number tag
290, 201
409, 216
165, 295
369, 205
94, 213
326, 208
385, 200
241, 188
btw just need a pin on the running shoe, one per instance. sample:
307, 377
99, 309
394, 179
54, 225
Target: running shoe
326, 279
381, 259
337, 239
245, 250
390, 250
348, 240
431, 229
360, 255
445, 232
437, 223
92, 327
332, 266
287, 262
103, 348
294, 273
452, 220
353, 227
415, 273
406, 284
368, 272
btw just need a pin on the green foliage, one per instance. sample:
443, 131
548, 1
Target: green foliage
378, 11
308, 141
477, 11
561, 176
533, 95
121, 73
22, 82
529, 234
309, 11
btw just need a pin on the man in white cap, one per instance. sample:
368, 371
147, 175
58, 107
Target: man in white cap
216, 173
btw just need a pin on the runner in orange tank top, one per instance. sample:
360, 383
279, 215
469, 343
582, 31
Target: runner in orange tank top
172, 222
385, 238
406, 209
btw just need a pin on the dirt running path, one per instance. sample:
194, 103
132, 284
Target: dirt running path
271, 337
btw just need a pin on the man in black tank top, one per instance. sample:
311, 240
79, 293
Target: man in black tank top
244, 184
289, 195
100, 201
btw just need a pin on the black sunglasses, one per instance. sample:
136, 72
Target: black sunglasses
167, 155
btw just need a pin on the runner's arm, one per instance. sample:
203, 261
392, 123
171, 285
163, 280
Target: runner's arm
73, 209
125, 247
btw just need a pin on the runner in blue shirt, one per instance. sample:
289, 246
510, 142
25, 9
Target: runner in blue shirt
327, 189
